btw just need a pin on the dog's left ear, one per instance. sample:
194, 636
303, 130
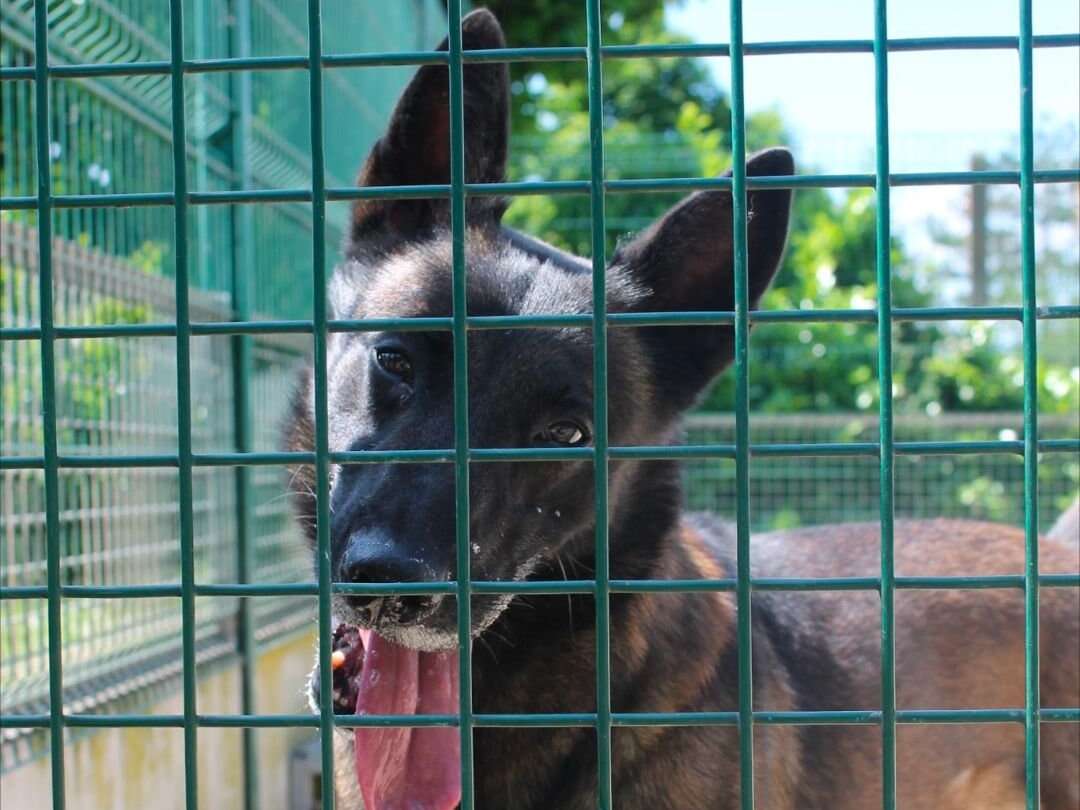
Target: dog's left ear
685, 261
416, 147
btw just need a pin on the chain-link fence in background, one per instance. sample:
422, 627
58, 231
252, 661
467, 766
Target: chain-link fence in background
785, 493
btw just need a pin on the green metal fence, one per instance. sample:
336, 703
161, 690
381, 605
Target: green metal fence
189, 198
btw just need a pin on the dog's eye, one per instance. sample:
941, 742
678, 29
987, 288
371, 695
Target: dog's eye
568, 433
395, 363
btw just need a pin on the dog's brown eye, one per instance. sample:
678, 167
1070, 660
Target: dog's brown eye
395, 363
568, 433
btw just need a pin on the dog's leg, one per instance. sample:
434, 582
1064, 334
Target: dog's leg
346, 788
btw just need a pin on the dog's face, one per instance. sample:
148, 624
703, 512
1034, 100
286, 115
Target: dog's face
527, 387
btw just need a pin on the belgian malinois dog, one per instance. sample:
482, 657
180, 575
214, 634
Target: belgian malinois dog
669, 652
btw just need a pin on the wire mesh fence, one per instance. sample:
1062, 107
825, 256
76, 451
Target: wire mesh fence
138, 406
119, 527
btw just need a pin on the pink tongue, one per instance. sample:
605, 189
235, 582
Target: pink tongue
407, 768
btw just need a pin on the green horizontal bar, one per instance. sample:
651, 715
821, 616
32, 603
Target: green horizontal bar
938, 716
24, 721
483, 322
653, 452
638, 719
394, 720
957, 583
551, 720
258, 589
541, 587
113, 462
120, 591
124, 720
554, 587
1059, 580
392, 456
236, 459
115, 200
955, 448
1059, 446
347, 60
681, 451
838, 717
549, 54
20, 333
670, 585
260, 195
541, 720
251, 327
821, 449
395, 324
531, 454
393, 588
1059, 715
524, 188
111, 330
24, 591
979, 178
815, 584
246, 63
149, 67
421, 191
257, 720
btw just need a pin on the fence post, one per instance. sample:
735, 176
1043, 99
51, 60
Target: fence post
980, 285
243, 235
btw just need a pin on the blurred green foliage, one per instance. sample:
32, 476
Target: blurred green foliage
669, 118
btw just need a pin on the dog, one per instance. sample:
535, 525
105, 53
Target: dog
535, 521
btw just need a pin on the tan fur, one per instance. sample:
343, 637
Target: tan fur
954, 649
992, 787
1067, 528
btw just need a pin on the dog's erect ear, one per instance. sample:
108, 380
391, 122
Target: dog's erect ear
416, 147
685, 261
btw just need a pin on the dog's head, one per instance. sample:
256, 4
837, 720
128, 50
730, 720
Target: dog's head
393, 390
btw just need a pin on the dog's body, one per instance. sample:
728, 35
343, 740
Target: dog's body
534, 520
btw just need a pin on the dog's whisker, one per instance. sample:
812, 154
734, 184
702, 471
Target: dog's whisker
569, 597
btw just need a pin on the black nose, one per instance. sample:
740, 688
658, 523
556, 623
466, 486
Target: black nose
373, 558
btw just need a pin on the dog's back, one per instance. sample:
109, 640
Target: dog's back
955, 649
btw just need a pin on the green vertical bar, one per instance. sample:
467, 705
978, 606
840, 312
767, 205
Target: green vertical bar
183, 403
322, 436
48, 401
1031, 413
600, 407
742, 415
461, 402
243, 239
885, 413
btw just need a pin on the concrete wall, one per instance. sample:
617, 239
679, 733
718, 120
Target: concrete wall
143, 769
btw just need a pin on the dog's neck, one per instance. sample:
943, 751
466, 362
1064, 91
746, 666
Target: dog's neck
645, 540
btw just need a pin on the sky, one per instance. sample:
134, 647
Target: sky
940, 103
943, 105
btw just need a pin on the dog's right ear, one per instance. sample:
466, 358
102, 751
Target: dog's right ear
685, 262
416, 147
